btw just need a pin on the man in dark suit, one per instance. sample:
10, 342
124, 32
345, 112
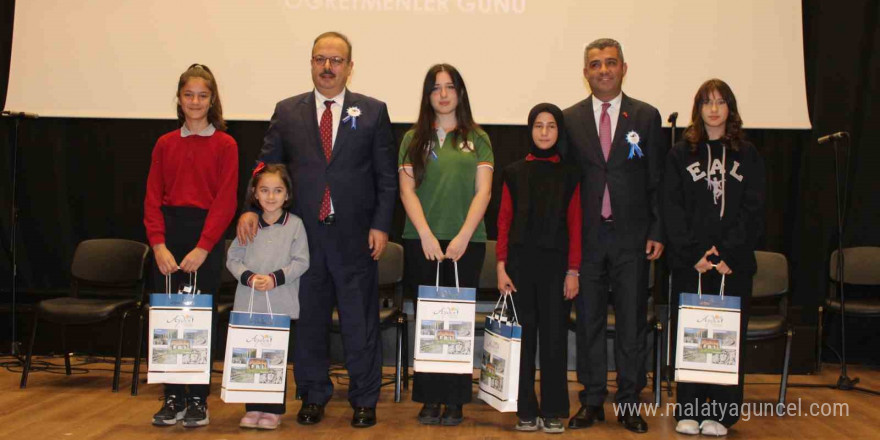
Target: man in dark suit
339, 149
618, 143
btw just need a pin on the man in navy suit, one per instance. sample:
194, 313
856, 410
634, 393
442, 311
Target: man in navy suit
618, 143
339, 149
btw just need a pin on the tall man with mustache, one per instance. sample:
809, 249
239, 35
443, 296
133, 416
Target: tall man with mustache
339, 149
618, 143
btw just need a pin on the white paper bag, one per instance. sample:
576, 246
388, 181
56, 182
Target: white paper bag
708, 338
445, 328
179, 349
255, 366
499, 369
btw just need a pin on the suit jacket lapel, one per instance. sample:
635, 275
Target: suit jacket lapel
309, 113
344, 129
619, 147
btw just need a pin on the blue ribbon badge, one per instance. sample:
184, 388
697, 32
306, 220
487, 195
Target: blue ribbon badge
632, 138
352, 113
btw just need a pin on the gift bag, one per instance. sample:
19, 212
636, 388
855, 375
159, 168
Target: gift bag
179, 349
445, 328
708, 338
499, 368
255, 366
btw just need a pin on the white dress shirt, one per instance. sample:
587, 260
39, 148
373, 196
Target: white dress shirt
613, 112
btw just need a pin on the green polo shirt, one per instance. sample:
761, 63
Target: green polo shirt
449, 185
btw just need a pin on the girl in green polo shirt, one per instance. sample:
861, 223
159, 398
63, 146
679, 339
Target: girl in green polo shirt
445, 169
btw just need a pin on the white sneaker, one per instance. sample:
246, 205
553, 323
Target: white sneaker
687, 426
713, 428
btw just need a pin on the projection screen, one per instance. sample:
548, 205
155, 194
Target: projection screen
121, 58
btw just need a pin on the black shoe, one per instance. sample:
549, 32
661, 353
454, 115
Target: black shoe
586, 416
430, 414
310, 414
634, 423
172, 411
452, 415
196, 412
363, 417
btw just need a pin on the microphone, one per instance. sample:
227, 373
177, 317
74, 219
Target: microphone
672, 118
19, 115
833, 136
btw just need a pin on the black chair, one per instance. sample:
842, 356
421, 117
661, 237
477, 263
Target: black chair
653, 323
861, 266
391, 312
107, 283
771, 282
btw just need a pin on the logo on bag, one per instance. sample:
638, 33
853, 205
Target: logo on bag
260, 340
493, 344
181, 320
715, 319
446, 311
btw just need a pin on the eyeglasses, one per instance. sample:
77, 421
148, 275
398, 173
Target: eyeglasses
320, 60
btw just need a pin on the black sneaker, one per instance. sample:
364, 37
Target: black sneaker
171, 411
553, 425
196, 413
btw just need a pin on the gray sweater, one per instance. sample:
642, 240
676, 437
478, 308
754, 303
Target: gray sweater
280, 250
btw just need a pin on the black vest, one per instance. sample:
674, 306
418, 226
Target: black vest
540, 193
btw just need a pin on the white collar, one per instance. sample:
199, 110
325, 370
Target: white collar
206, 132
320, 99
615, 103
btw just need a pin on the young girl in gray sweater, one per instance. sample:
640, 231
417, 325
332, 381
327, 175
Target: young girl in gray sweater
270, 265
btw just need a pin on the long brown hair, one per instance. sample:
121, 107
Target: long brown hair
215, 111
733, 132
418, 149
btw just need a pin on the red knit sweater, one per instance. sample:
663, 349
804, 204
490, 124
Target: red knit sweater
195, 171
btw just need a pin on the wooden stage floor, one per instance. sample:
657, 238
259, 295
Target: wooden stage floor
82, 407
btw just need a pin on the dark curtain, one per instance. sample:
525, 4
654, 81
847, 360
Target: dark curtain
85, 178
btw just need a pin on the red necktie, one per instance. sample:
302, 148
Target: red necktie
605, 140
326, 128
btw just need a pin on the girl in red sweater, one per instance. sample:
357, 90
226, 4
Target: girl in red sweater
190, 200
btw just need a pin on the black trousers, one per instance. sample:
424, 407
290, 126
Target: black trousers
276, 408
539, 277
455, 389
183, 228
694, 398
626, 272
342, 274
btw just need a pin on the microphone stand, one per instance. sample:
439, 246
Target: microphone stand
15, 349
844, 382
673, 118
